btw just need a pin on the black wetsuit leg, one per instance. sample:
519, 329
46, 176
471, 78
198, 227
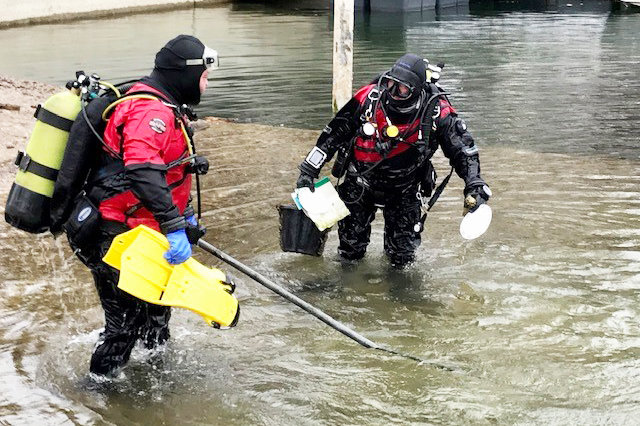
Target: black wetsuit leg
354, 230
155, 330
126, 317
401, 214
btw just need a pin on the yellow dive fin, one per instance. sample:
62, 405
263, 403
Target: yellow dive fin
145, 274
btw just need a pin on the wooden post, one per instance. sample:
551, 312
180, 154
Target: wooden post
342, 52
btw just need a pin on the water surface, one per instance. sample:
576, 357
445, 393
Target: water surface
540, 314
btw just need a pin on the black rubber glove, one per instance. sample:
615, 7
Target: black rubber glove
475, 197
199, 165
194, 230
305, 181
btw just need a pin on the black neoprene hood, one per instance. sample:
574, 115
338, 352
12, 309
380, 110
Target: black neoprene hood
182, 81
410, 69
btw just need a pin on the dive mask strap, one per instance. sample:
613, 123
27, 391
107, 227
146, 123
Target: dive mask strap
209, 59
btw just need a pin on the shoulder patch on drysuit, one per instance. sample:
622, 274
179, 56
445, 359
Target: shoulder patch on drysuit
157, 125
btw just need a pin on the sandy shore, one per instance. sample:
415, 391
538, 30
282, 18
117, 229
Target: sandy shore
18, 101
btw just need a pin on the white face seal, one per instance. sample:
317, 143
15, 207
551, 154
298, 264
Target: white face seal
209, 59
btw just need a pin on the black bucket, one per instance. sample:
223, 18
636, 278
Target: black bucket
298, 233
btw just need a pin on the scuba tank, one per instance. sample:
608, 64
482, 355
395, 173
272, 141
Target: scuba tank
62, 151
27, 206
32, 195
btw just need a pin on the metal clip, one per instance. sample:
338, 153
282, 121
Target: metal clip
424, 202
369, 112
19, 158
374, 95
25, 160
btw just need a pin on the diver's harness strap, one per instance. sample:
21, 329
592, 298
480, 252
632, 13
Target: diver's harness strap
427, 127
27, 164
52, 119
424, 128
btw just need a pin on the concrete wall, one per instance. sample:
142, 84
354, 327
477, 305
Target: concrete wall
20, 12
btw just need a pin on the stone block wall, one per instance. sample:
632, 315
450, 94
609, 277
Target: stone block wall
36, 11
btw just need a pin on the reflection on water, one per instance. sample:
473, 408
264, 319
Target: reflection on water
539, 75
541, 313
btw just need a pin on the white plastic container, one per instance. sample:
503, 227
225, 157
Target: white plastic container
323, 206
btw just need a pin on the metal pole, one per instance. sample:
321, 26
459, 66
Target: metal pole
337, 325
287, 295
342, 52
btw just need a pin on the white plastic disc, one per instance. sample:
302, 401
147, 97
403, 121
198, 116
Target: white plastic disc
475, 224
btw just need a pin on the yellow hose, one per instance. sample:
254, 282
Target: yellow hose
125, 98
150, 97
110, 86
186, 138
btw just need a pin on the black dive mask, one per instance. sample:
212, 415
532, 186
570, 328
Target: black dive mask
397, 89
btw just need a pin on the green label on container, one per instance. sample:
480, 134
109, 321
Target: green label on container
321, 182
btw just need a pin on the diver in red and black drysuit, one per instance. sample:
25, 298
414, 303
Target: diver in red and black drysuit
143, 177
385, 136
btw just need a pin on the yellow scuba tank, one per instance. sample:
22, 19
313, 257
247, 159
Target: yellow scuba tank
27, 206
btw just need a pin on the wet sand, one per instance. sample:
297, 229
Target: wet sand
18, 101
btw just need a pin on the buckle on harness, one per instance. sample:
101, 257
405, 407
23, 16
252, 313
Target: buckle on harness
18, 159
22, 161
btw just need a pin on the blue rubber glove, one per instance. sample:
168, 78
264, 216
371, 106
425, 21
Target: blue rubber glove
179, 247
192, 220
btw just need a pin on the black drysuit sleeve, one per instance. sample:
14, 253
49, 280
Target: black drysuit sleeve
149, 185
340, 130
460, 148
